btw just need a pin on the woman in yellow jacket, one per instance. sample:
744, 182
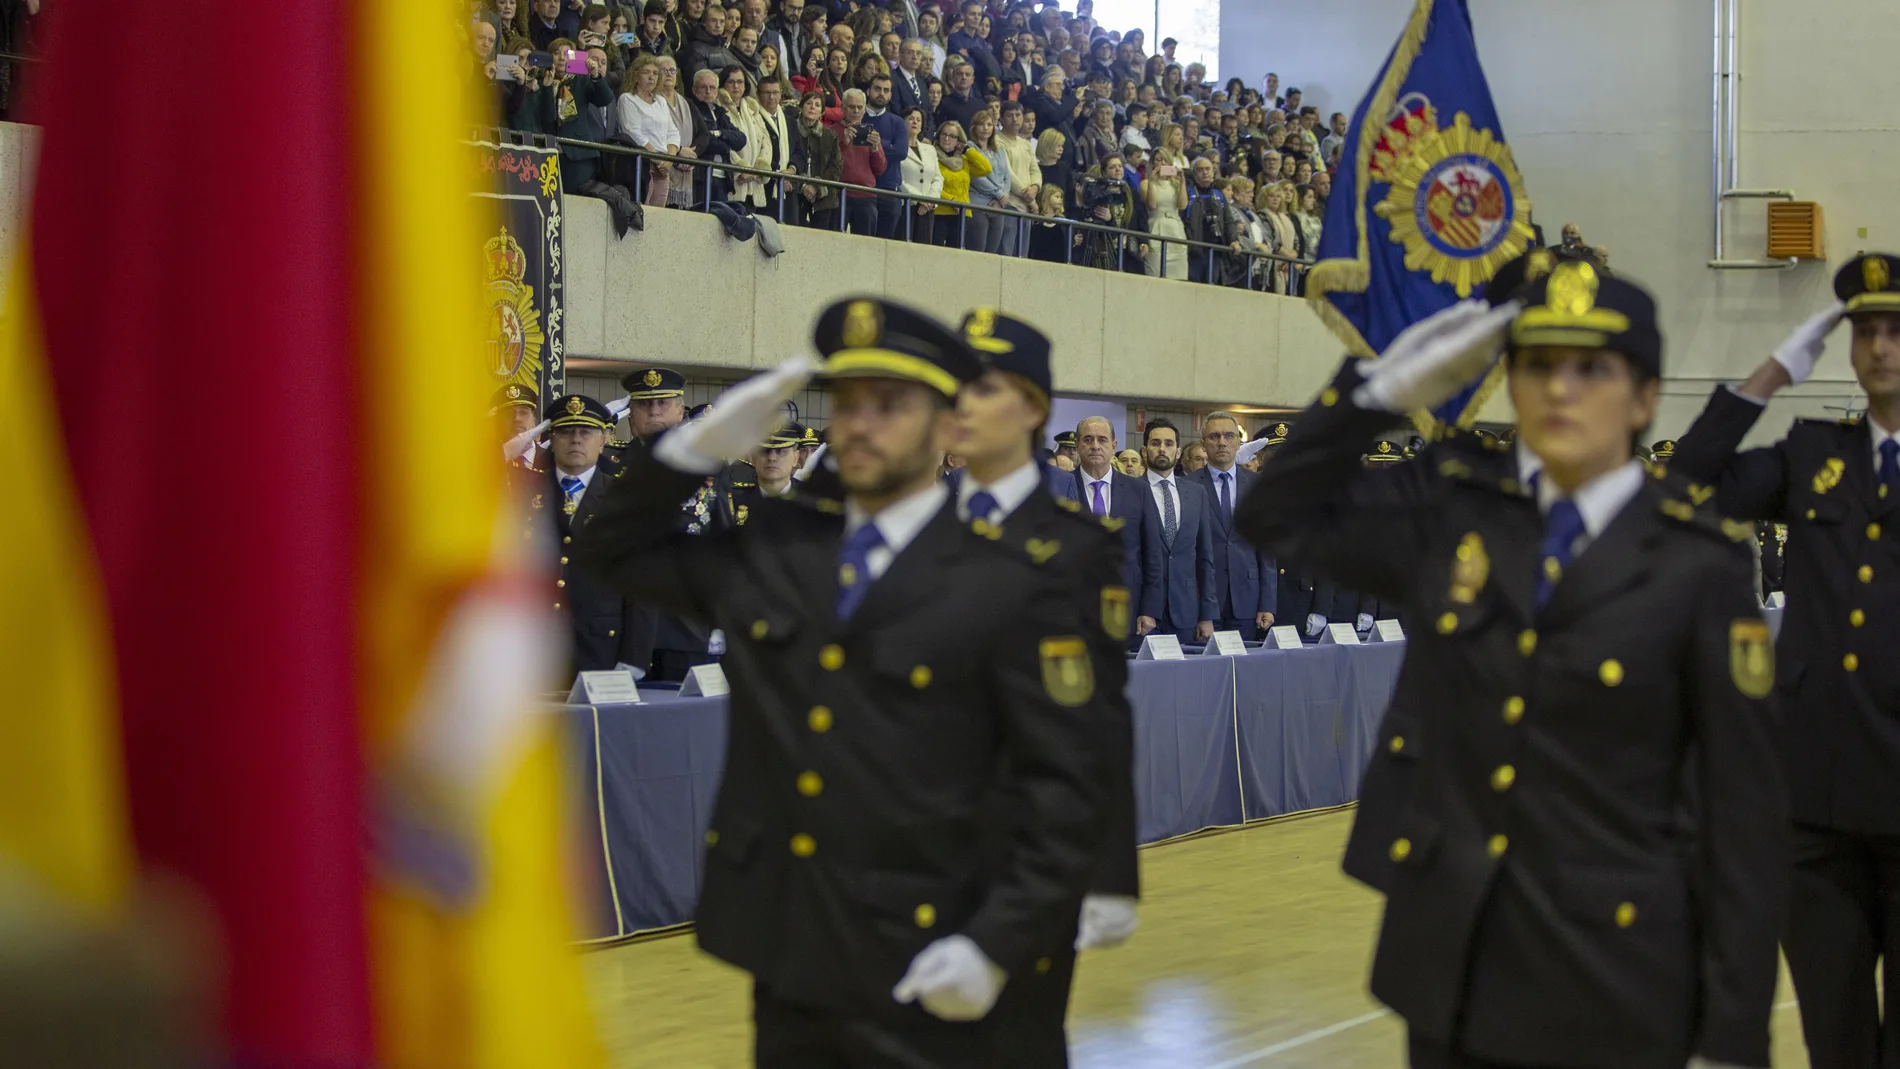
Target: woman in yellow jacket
959, 163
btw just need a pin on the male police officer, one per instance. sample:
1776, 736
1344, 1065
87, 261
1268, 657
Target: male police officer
1002, 493
1588, 866
516, 409
1836, 486
893, 673
607, 629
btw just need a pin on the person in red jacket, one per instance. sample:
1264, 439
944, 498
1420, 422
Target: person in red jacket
863, 161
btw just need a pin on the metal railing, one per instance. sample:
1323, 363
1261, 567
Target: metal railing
1121, 235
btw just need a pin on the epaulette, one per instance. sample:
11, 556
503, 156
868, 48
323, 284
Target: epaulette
816, 502
744, 486
1470, 459
1699, 516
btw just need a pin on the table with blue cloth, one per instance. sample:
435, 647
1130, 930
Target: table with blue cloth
1219, 741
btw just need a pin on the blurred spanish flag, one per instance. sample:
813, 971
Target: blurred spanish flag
260, 631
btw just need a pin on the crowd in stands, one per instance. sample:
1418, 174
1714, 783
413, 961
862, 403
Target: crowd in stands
1002, 104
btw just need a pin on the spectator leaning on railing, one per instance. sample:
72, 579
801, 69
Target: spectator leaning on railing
821, 159
989, 232
644, 120
959, 163
714, 137
864, 162
894, 133
921, 176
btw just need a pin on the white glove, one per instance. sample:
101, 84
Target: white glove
519, 444
954, 980
1364, 622
736, 425
619, 407
1436, 357
1247, 452
811, 462
1803, 348
1107, 921
1315, 623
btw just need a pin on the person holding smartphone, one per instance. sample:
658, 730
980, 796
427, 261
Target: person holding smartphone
1165, 194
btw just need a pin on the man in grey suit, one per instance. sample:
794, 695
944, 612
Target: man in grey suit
1101, 490
1188, 602
1246, 580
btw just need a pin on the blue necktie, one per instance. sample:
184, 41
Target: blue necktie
1889, 461
982, 504
1562, 528
571, 486
854, 568
1226, 496
1170, 522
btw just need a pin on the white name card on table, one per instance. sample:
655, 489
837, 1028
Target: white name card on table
1339, 635
1386, 631
1160, 648
705, 681
613, 687
1225, 644
1284, 637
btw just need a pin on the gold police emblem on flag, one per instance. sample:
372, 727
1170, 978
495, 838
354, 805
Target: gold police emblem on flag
1456, 203
651, 379
575, 406
1470, 568
1751, 658
863, 325
1067, 675
1875, 273
1115, 611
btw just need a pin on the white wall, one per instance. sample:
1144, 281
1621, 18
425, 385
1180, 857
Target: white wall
1607, 107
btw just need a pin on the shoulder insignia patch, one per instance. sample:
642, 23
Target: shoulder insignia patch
740, 514
1067, 675
1115, 612
1830, 475
828, 506
1751, 658
1454, 469
1470, 568
1040, 550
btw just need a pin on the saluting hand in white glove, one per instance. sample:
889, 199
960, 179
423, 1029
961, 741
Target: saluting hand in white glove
1436, 357
1803, 348
740, 420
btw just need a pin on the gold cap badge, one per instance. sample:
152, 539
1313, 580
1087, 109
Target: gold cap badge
1279, 430
652, 378
575, 406
863, 324
1875, 273
1573, 288
1385, 447
515, 393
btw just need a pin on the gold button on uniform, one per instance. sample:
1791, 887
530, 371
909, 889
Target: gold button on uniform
1513, 709
1527, 642
1448, 623
1552, 570
1866, 573
1043, 965
760, 629
1401, 849
712, 837
1328, 397
1857, 618
560, 582
819, 719
1397, 743
557, 605
1811, 511
925, 916
1497, 846
1610, 672
1851, 662
1626, 915
1502, 779
565, 539
920, 676
810, 784
803, 845
1873, 532
563, 560
831, 658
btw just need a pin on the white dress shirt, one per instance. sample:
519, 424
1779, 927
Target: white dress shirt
586, 478
1598, 501
898, 523
1108, 491
1010, 492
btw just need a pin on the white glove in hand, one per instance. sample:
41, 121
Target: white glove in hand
619, 407
1315, 623
740, 420
1247, 452
953, 978
1107, 921
812, 462
1803, 348
514, 447
1364, 622
1436, 357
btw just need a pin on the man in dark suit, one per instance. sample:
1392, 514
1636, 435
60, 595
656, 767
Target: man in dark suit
562, 499
1188, 597
1124, 502
1836, 485
907, 81
1588, 868
893, 674
1245, 578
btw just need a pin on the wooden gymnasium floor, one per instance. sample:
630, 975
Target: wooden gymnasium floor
1252, 951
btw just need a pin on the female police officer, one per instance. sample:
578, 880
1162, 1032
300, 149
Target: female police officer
1589, 854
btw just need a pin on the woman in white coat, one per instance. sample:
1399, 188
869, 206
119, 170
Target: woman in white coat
922, 178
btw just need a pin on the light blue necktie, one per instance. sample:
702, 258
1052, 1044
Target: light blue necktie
854, 568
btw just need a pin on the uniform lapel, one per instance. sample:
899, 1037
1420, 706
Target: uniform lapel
913, 575
1615, 561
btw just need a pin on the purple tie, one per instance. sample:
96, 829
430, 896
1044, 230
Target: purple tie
1100, 508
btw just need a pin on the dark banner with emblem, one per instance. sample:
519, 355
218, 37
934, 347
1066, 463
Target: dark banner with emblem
523, 343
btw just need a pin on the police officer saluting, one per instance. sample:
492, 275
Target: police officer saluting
516, 408
1589, 863
1836, 485
893, 672
1001, 492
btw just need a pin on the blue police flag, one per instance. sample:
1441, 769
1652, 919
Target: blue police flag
1427, 203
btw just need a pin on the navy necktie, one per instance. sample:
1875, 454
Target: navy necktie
571, 486
1225, 478
854, 568
1170, 520
1562, 528
982, 504
1889, 461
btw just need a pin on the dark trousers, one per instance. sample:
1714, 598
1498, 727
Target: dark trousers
890, 217
1431, 1054
824, 219
861, 213
1246, 627
1203, 265
1844, 913
1024, 1031
671, 666
577, 173
922, 227
949, 233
